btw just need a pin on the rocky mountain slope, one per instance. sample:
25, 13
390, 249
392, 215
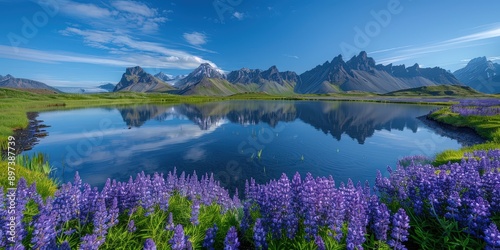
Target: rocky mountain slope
481, 74
9, 81
362, 74
135, 79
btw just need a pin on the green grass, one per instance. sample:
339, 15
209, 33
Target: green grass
36, 163
153, 226
457, 155
439, 90
487, 127
44, 185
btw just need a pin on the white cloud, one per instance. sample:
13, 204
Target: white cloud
239, 15
56, 57
471, 40
494, 58
134, 7
83, 10
195, 38
146, 54
291, 56
126, 16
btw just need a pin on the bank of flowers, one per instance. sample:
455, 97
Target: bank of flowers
416, 205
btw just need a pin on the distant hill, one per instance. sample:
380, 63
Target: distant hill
439, 90
362, 74
108, 86
135, 79
9, 81
170, 79
481, 74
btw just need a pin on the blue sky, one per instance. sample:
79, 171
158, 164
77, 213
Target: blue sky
85, 43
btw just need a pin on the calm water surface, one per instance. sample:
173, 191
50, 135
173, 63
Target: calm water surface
342, 139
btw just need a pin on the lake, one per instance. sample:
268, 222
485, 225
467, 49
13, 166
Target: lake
236, 140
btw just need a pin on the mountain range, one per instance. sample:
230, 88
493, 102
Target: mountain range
481, 74
360, 73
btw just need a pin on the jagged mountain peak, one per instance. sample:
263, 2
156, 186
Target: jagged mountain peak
480, 74
337, 59
361, 62
207, 70
137, 80
134, 70
478, 60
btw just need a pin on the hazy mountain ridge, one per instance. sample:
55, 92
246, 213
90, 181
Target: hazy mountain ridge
170, 79
10, 81
480, 74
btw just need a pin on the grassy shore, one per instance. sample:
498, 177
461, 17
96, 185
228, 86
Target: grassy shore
487, 127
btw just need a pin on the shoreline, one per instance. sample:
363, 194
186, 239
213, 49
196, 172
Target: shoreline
465, 136
29, 136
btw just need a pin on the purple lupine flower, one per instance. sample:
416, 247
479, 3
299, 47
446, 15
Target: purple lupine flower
3, 213
381, 219
337, 215
355, 233
289, 220
357, 216
131, 226
44, 231
209, 240
245, 221
231, 241
478, 216
149, 244
236, 199
492, 237
319, 242
113, 213
308, 200
454, 202
101, 218
170, 223
400, 227
21, 196
259, 235
65, 246
178, 241
90, 242
195, 211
